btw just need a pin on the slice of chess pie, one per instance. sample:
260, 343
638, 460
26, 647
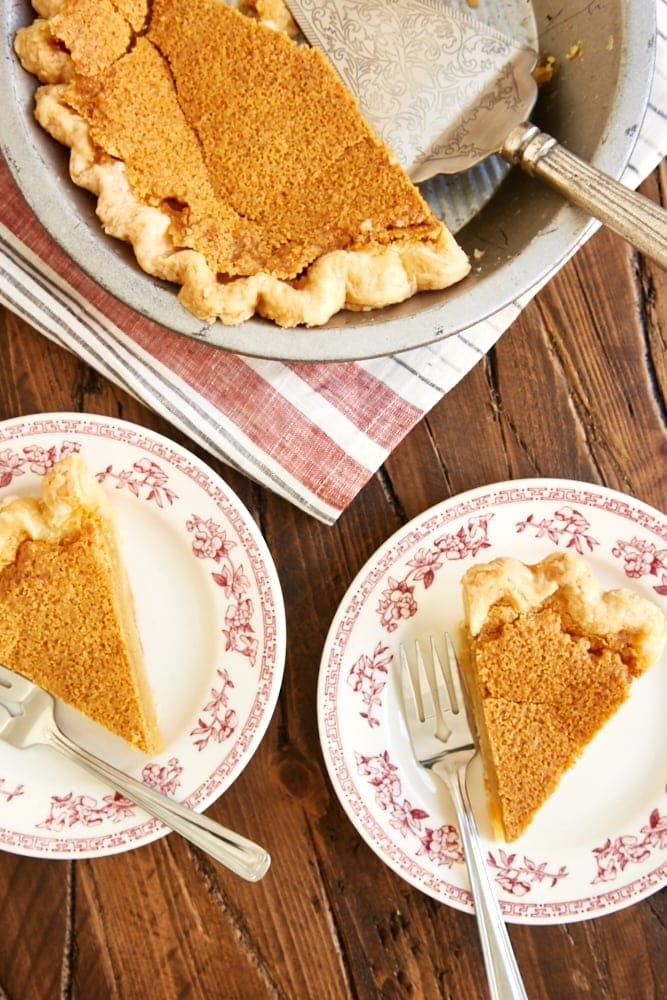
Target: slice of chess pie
233, 160
67, 618
551, 659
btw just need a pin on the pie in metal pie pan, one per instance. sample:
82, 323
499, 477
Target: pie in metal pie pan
514, 228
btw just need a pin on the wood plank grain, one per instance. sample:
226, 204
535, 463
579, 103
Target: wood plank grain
34, 941
577, 388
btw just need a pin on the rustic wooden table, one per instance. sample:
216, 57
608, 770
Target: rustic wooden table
577, 388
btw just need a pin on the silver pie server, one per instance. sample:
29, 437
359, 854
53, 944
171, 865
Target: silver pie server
445, 92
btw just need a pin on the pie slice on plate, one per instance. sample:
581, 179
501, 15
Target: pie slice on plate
551, 659
67, 618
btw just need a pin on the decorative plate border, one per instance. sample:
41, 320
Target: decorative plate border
231, 559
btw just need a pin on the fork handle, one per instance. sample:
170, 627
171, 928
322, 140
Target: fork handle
232, 850
502, 971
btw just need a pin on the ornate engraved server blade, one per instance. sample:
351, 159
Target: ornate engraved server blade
442, 89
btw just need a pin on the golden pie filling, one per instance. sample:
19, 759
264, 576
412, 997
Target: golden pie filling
233, 159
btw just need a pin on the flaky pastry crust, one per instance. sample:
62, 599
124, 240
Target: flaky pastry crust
567, 579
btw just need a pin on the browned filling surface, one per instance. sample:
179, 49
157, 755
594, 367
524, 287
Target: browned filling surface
61, 626
250, 142
541, 693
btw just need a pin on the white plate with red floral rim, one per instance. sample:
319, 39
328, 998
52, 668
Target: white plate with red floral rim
212, 622
600, 842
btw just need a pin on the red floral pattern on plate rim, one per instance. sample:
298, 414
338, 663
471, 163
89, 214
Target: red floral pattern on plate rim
147, 480
642, 552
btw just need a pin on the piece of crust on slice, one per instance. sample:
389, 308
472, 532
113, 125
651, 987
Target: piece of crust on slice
550, 658
67, 617
233, 160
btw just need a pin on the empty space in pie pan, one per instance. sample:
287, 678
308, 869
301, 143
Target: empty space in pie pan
515, 229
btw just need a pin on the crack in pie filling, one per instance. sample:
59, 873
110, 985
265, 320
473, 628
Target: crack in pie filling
232, 159
551, 657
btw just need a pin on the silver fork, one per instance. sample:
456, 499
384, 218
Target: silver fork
27, 718
442, 741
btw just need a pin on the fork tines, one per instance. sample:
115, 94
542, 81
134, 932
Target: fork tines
432, 688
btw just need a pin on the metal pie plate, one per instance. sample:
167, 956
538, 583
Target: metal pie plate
516, 230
